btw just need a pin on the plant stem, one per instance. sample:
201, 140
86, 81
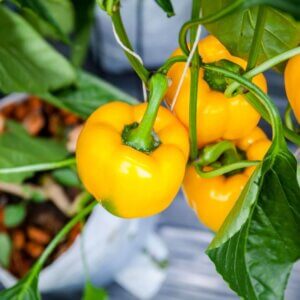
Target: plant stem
257, 37
57, 239
141, 138
287, 118
39, 167
265, 101
262, 68
195, 64
170, 62
141, 71
226, 169
205, 20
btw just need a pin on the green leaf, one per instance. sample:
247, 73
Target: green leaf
167, 6
236, 30
14, 215
42, 9
28, 63
63, 13
84, 17
6, 248
18, 148
25, 289
90, 93
259, 241
66, 177
93, 293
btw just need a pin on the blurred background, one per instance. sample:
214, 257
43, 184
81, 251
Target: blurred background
177, 241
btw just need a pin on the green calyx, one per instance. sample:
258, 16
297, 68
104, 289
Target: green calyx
141, 136
218, 81
224, 158
143, 145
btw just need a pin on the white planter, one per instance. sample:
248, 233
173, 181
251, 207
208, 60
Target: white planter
110, 243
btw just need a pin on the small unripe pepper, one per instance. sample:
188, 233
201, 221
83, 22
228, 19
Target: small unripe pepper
213, 198
292, 84
133, 169
218, 117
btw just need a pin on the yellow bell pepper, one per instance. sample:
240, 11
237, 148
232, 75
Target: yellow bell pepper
213, 198
218, 117
131, 183
292, 83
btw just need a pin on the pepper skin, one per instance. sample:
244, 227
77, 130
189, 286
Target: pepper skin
212, 199
292, 83
127, 182
218, 117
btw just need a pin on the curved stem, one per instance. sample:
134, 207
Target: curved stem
141, 71
257, 37
226, 169
264, 100
212, 153
39, 167
262, 68
141, 137
205, 20
57, 239
195, 64
164, 69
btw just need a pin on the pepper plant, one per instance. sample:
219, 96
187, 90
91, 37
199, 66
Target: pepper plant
257, 234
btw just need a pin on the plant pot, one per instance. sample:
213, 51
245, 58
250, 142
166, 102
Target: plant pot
109, 245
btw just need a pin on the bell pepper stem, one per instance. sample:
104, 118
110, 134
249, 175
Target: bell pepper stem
141, 71
212, 153
142, 137
226, 169
257, 37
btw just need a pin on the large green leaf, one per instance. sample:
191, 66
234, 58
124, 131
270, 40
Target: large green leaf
84, 16
236, 30
257, 245
28, 63
25, 289
42, 9
63, 13
17, 148
89, 93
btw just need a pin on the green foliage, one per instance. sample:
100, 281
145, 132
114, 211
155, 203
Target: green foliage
84, 17
236, 30
63, 14
67, 177
93, 293
167, 6
42, 9
257, 245
89, 93
14, 214
28, 63
6, 248
17, 148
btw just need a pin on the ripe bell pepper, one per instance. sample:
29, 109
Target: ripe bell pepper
292, 82
213, 198
128, 181
218, 117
